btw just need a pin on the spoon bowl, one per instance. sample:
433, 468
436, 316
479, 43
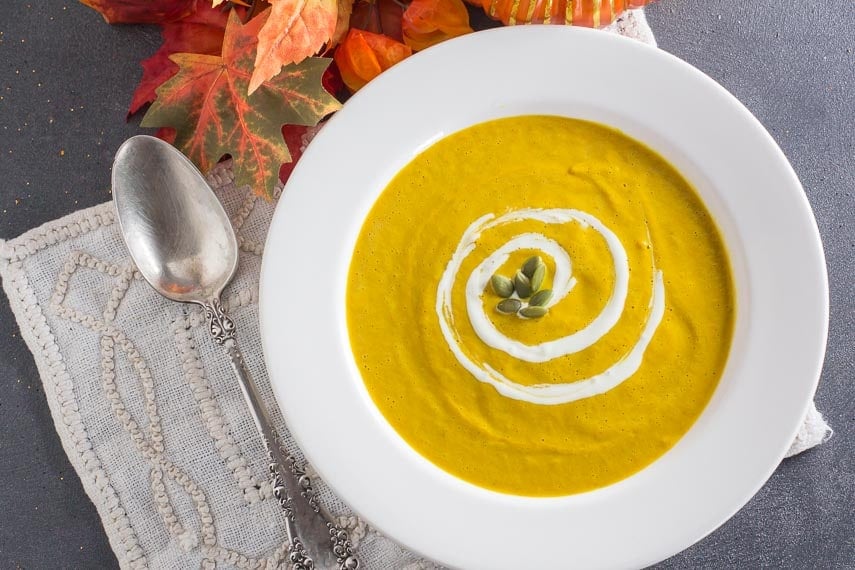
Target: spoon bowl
177, 231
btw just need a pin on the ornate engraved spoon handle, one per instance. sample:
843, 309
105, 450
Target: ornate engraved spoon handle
307, 525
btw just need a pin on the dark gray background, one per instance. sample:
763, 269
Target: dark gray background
66, 79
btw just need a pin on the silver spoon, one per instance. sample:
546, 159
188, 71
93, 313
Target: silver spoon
182, 242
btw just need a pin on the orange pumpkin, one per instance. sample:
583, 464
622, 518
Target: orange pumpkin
588, 13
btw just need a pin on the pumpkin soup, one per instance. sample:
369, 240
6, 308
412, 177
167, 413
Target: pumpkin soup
540, 305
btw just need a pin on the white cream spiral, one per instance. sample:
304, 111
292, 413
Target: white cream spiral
553, 393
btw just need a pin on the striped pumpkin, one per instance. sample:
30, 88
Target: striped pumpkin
588, 13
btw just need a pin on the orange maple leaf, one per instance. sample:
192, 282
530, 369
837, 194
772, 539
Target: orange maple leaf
428, 22
207, 104
295, 30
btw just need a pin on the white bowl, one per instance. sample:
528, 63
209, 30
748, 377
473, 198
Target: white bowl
745, 181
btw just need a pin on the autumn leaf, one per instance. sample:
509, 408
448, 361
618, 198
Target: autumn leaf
207, 104
200, 32
589, 13
297, 138
293, 137
342, 22
428, 22
362, 56
332, 80
141, 11
294, 30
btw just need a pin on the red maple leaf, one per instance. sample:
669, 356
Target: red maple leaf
200, 32
141, 11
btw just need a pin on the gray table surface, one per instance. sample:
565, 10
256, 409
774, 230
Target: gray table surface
66, 78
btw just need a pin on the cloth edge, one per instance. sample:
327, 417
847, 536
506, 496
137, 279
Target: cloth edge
40, 340
813, 431
633, 24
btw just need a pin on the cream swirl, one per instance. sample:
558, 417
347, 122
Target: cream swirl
557, 393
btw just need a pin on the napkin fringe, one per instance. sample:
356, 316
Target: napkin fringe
814, 431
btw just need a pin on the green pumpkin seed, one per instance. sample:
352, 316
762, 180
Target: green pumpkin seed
540, 298
503, 286
522, 285
532, 312
530, 265
509, 306
538, 277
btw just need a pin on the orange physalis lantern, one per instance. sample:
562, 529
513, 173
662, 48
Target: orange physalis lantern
428, 22
362, 56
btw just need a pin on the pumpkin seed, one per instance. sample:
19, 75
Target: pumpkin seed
503, 286
540, 298
509, 306
522, 285
537, 277
530, 265
532, 312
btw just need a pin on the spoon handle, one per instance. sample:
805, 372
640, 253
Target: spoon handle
307, 524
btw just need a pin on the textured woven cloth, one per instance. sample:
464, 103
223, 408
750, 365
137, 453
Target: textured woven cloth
145, 404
